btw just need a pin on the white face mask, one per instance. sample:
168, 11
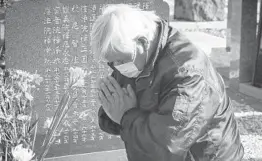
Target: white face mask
128, 69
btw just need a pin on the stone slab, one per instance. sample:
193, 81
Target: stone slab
250, 90
116, 155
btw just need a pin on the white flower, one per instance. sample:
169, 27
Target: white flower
37, 78
25, 74
23, 86
8, 118
29, 96
18, 95
9, 93
79, 83
22, 154
77, 76
23, 117
48, 122
2, 115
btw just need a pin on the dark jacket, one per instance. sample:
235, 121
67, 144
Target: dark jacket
183, 111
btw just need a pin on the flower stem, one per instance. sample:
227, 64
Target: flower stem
6, 147
35, 132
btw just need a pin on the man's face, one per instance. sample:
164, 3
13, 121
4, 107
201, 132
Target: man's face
138, 57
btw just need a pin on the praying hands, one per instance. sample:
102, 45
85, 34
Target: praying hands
114, 99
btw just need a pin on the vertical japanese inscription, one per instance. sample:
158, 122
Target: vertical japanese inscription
67, 43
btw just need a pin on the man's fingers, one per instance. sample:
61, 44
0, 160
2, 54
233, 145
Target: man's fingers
105, 104
105, 90
98, 96
116, 98
102, 98
116, 85
109, 85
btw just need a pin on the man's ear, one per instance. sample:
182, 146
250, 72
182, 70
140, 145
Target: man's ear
143, 40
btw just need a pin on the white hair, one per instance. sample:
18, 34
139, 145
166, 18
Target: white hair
118, 26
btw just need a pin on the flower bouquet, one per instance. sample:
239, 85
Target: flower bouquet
19, 119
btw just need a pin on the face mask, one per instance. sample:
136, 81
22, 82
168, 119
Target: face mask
128, 69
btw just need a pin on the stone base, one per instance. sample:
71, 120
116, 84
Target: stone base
248, 89
116, 155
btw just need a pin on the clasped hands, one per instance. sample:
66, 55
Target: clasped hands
114, 99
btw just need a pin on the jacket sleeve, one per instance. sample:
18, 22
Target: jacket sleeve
105, 123
185, 108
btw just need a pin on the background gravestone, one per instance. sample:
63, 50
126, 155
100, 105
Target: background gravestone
258, 64
200, 10
50, 36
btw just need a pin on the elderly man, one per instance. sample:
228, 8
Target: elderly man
164, 98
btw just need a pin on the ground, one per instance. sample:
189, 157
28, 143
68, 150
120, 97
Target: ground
248, 112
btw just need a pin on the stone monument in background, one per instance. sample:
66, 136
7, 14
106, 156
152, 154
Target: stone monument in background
48, 37
200, 10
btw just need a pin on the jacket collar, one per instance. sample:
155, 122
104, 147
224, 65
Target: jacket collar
146, 78
163, 36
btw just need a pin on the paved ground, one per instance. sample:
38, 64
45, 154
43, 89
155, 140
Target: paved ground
248, 112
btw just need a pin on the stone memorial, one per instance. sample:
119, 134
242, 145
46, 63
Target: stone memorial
258, 70
200, 10
242, 26
49, 37
258, 63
